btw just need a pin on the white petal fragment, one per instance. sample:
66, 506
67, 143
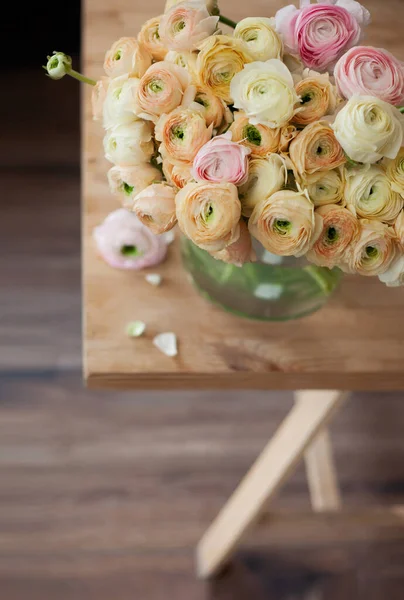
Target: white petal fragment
136, 329
268, 291
168, 236
154, 279
166, 343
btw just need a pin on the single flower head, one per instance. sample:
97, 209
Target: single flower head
127, 57
155, 207
150, 38
260, 35
265, 177
58, 65
316, 148
240, 252
187, 24
222, 161
260, 139
127, 182
374, 250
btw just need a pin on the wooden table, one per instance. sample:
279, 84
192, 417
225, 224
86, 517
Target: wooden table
356, 342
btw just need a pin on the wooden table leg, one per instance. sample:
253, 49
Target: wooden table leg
280, 457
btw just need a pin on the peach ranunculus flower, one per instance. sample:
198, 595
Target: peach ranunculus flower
221, 160
149, 37
209, 214
129, 181
120, 103
127, 57
286, 223
324, 187
161, 89
187, 24
265, 92
374, 251
182, 133
98, 95
215, 110
240, 252
369, 129
155, 207
129, 145
399, 228
340, 229
316, 149
220, 58
369, 194
394, 276
125, 243
318, 97
368, 71
211, 5
288, 134
261, 140
178, 175
186, 60
261, 37
395, 172
265, 177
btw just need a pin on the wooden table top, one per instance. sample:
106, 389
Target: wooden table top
355, 342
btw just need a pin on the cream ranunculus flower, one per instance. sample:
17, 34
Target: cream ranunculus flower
98, 95
286, 223
179, 175
324, 187
394, 276
395, 172
374, 251
161, 89
260, 35
340, 229
265, 177
187, 24
182, 133
265, 92
316, 149
186, 60
399, 227
220, 58
127, 57
261, 140
240, 252
369, 193
318, 97
209, 214
129, 181
150, 39
369, 129
120, 102
155, 207
129, 145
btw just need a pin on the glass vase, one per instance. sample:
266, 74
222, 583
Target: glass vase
274, 288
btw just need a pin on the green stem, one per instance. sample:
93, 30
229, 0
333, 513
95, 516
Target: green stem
80, 77
401, 109
228, 22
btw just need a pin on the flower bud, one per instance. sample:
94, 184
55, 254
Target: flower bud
58, 65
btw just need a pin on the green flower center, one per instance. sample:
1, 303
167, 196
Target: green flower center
178, 132
371, 252
156, 86
332, 234
202, 101
252, 134
54, 63
130, 251
127, 189
306, 98
118, 55
283, 226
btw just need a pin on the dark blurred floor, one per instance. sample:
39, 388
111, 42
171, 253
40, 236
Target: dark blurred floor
105, 495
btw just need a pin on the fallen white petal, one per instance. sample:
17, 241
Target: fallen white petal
136, 328
268, 291
166, 343
153, 278
168, 236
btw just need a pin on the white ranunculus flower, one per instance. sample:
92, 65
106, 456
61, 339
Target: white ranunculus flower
394, 277
119, 105
370, 194
266, 93
261, 37
369, 129
129, 145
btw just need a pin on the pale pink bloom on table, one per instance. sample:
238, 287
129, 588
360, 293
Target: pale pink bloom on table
98, 95
222, 161
125, 243
240, 252
185, 25
161, 89
127, 56
321, 33
370, 71
155, 207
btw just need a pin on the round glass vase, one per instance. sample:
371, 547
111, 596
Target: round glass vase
274, 288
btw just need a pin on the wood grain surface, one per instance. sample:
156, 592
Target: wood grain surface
356, 342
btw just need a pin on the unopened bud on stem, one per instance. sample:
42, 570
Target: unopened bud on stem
59, 65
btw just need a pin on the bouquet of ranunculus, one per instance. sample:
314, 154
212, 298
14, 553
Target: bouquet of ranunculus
287, 131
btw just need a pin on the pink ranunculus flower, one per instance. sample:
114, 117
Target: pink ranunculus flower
125, 243
222, 161
187, 24
368, 71
321, 33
